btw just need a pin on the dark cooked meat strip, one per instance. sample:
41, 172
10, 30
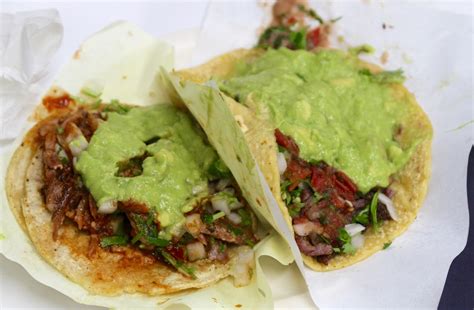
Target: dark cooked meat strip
64, 194
313, 250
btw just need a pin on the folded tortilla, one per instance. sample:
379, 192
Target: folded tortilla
410, 184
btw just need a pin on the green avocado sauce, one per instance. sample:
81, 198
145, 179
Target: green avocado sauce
174, 174
336, 111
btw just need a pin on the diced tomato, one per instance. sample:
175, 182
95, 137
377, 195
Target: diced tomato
54, 103
291, 20
287, 142
176, 251
314, 37
297, 171
347, 181
320, 180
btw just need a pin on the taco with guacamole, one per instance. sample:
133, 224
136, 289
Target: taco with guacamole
349, 155
125, 199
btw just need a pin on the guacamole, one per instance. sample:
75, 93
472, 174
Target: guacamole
336, 111
175, 166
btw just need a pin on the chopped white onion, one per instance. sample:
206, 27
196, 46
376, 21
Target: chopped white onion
220, 204
108, 207
282, 165
234, 218
78, 145
193, 224
304, 229
196, 251
242, 269
358, 240
390, 208
353, 229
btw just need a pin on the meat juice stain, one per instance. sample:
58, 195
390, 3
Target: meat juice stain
54, 103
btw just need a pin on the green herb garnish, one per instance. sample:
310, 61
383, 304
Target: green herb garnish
147, 231
386, 245
373, 211
362, 217
365, 48
298, 39
346, 240
396, 76
245, 216
113, 240
116, 106
180, 266
311, 13
218, 215
157, 241
219, 170
207, 218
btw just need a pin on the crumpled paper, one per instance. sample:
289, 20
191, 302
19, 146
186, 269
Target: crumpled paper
28, 42
433, 46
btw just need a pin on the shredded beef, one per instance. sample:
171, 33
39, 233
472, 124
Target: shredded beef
64, 194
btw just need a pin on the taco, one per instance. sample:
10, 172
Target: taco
126, 199
350, 156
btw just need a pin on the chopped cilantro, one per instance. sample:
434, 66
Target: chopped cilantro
245, 216
116, 106
147, 230
348, 248
298, 39
396, 76
207, 218
219, 170
113, 240
222, 247
234, 230
294, 210
250, 243
311, 13
362, 217
137, 237
386, 245
59, 130
365, 48
326, 240
218, 215
157, 241
180, 266
373, 211
346, 240
317, 196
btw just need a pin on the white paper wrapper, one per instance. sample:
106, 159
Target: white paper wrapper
125, 60
28, 42
433, 46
